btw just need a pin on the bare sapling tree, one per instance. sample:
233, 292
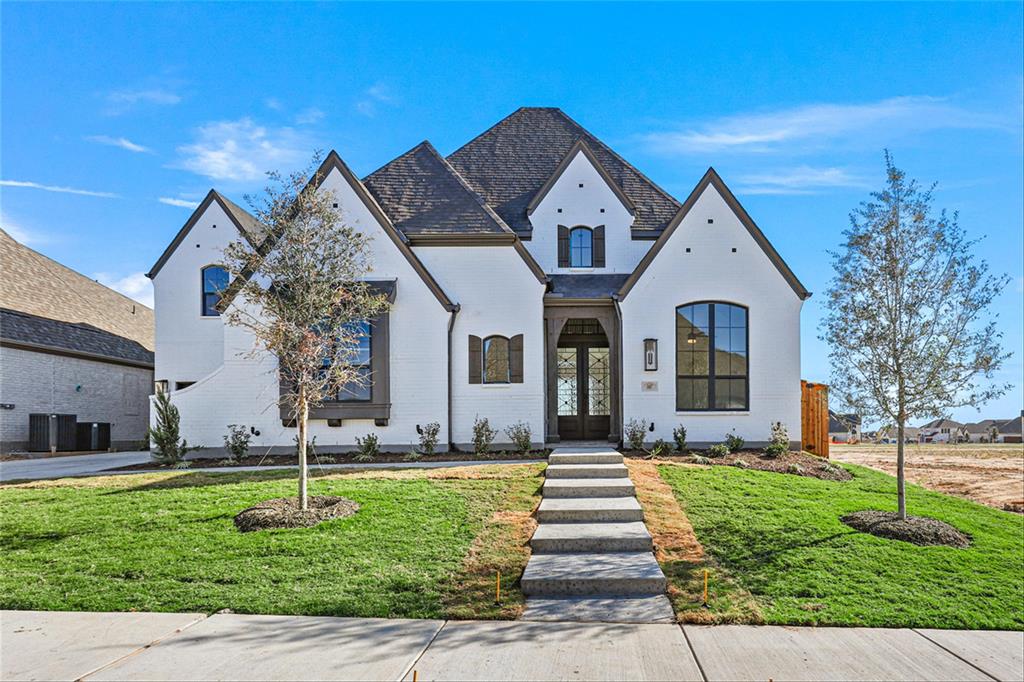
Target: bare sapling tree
908, 321
302, 294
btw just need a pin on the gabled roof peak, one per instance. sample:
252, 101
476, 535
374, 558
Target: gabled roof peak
579, 147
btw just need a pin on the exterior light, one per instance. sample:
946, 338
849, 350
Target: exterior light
650, 355
691, 338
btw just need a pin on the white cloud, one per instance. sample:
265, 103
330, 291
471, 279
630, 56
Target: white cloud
120, 101
57, 188
799, 180
309, 116
242, 150
813, 124
122, 142
135, 286
378, 93
183, 203
273, 103
22, 234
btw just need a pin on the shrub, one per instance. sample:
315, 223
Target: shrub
367, 447
660, 447
741, 463
412, 455
774, 450
679, 436
428, 438
701, 459
779, 434
733, 442
634, 432
794, 469
718, 450
483, 435
236, 442
310, 447
168, 446
520, 435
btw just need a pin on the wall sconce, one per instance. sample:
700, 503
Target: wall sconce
650, 355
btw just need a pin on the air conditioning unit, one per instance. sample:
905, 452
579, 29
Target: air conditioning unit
52, 432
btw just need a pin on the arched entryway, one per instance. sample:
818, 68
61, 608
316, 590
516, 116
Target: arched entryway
582, 385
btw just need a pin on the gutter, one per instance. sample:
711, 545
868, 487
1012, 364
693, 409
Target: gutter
451, 326
619, 365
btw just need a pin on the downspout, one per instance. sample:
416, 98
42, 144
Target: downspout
451, 326
619, 363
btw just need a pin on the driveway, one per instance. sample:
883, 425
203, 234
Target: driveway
76, 465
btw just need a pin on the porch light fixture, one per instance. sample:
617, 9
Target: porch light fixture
691, 338
650, 355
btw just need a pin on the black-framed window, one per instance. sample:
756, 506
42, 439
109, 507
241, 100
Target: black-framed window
497, 363
581, 247
215, 281
361, 389
712, 368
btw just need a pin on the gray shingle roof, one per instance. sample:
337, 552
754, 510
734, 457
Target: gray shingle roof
586, 286
422, 193
32, 330
840, 423
1011, 426
251, 228
509, 163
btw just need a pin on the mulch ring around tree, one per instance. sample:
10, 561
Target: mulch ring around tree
919, 530
284, 512
792, 462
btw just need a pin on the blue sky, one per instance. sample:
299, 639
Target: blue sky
117, 118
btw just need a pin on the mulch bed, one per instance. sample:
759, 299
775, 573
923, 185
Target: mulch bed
284, 512
794, 463
919, 530
339, 458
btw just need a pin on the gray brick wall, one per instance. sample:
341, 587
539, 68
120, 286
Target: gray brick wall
95, 391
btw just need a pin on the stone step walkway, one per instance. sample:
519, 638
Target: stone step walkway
592, 555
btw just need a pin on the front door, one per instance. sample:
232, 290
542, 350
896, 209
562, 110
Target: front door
584, 392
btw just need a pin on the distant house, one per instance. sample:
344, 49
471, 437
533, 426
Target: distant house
843, 428
941, 431
1009, 431
984, 431
70, 346
911, 434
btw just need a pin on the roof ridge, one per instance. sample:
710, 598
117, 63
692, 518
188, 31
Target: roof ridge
404, 154
469, 188
477, 137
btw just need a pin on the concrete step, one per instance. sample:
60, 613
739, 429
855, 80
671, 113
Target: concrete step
652, 609
630, 536
609, 457
586, 471
589, 509
612, 573
588, 487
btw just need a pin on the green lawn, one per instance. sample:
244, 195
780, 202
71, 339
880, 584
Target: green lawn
166, 542
777, 539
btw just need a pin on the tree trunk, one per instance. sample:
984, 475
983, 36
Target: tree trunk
901, 494
303, 418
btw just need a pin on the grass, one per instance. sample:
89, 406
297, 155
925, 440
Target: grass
166, 542
778, 539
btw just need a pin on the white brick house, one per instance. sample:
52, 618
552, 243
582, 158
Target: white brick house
536, 277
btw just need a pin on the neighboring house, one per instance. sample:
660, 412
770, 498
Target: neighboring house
985, 431
537, 277
941, 431
1009, 431
911, 434
69, 345
843, 428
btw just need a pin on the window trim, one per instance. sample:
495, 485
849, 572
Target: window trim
203, 294
711, 361
483, 360
588, 230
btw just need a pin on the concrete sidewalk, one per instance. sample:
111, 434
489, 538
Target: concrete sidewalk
38, 645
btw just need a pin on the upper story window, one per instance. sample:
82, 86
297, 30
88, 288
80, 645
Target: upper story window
581, 248
712, 372
215, 281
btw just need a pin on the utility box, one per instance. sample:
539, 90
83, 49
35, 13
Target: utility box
52, 432
93, 435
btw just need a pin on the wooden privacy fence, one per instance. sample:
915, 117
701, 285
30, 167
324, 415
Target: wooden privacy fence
814, 418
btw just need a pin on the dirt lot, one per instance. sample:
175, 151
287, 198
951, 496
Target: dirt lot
990, 474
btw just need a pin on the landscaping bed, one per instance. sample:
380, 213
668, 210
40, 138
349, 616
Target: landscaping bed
780, 541
791, 462
423, 544
272, 461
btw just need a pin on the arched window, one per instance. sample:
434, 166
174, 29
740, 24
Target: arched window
711, 357
496, 358
215, 281
581, 247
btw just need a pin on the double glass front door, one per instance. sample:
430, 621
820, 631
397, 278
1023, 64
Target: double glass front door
584, 392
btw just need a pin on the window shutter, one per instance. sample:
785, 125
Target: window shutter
599, 246
563, 246
515, 359
476, 359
